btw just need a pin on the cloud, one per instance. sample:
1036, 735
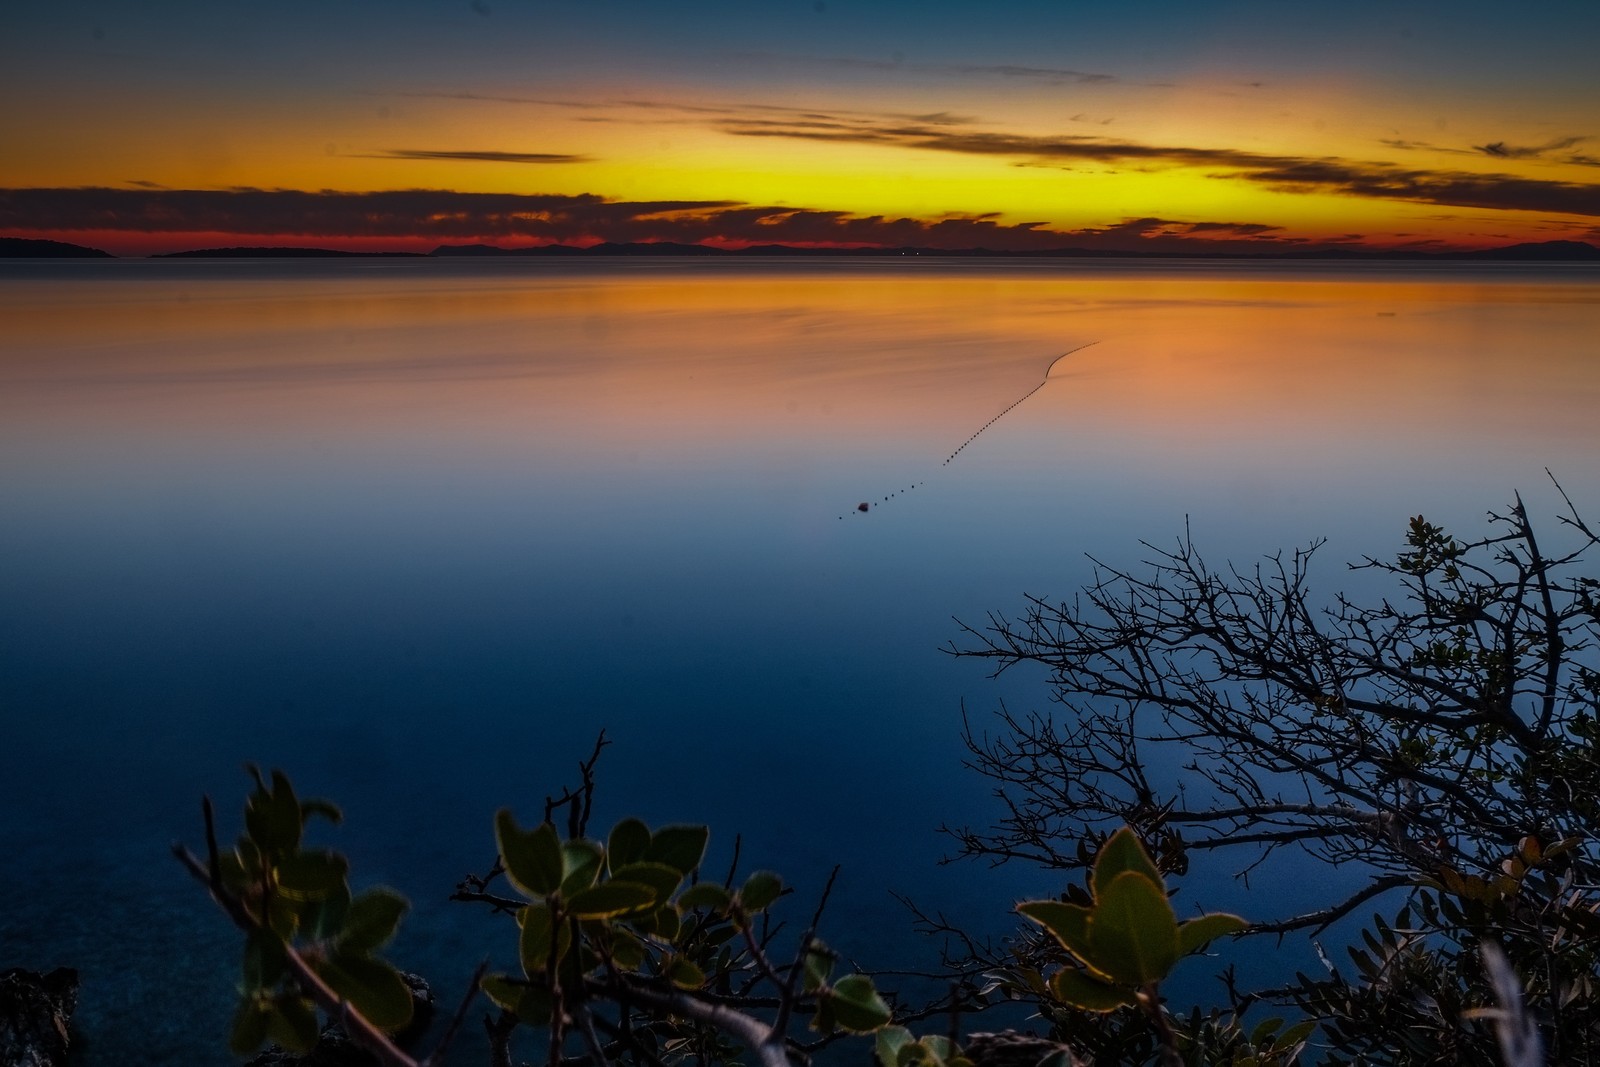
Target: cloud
1046, 75
1502, 192
479, 157
1423, 146
1501, 150
431, 216
420, 213
1284, 173
678, 111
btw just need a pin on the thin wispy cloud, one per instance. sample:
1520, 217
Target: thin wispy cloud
478, 156
1403, 145
1502, 150
684, 111
1045, 75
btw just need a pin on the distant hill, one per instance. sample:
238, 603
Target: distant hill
27, 248
1542, 250
494, 250
1545, 251
1535, 252
277, 253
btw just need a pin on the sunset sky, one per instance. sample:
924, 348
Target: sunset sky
1145, 125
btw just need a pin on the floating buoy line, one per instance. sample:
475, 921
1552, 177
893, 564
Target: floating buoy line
866, 506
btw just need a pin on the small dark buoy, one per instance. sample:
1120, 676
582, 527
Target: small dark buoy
863, 506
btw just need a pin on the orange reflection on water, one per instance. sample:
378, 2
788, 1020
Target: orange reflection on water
653, 355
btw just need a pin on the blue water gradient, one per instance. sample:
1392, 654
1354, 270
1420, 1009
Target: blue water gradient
417, 531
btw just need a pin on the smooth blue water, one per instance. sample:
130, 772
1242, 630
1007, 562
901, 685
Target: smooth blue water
416, 531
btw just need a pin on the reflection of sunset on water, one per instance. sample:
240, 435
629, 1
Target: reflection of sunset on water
718, 361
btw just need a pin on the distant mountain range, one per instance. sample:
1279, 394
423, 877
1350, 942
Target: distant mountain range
1542, 251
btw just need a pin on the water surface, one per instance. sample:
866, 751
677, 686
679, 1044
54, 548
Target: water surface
416, 531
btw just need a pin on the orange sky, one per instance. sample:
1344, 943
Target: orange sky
1153, 126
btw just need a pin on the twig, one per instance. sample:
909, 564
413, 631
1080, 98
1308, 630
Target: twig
787, 998
763, 1040
437, 1055
585, 1020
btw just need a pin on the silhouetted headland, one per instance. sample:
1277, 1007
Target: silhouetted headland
281, 253
28, 248
1539, 252
1543, 251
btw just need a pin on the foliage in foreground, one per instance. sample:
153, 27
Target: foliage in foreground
621, 944
1447, 739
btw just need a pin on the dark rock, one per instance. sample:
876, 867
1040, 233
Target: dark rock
1011, 1049
35, 1010
334, 1048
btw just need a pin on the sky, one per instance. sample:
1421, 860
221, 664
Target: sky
1145, 125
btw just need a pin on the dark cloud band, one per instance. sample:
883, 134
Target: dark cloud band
438, 215
482, 157
1354, 178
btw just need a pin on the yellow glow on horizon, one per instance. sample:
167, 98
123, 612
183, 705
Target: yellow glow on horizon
677, 150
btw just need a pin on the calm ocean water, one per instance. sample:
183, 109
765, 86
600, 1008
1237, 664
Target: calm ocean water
415, 531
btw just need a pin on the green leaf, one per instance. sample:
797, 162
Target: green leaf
533, 945
704, 895
1080, 991
581, 861
236, 872
502, 990
857, 1007
1134, 933
818, 966
891, 1040
1196, 934
372, 920
532, 858
1123, 852
627, 952
264, 960
658, 876
629, 839
373, 988
292, 1023
822, 1019
283, 917
249, 1030
1296, 1034
272, 816
324, 918
311, 875
1068, 922
760, 890
325, 808
531, 1005
685, 975
1264, 1030
679, 847
611, 899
